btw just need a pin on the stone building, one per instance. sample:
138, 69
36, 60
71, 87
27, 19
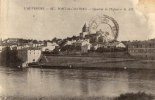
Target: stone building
29, 55
142, 49
33, 55
85, 46
98, 36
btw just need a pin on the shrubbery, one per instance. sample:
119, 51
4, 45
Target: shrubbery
135, 96
9, 57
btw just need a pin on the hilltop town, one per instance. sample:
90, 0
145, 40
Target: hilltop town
87, 44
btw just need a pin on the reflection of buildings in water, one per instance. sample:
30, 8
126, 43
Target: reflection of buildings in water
70, 82
84, 78
93, 83
34, 81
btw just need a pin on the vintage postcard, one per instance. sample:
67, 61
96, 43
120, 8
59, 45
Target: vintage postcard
77, 49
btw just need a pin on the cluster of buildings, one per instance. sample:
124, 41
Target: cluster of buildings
92, 41
31, 50
28, 50
139, 49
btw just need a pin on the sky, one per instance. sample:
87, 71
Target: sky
16, 21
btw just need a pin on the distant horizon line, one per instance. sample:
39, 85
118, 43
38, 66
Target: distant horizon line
64, 38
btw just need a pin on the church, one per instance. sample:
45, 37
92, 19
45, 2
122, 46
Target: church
97, 37
100, 38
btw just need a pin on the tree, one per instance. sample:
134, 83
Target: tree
54, 40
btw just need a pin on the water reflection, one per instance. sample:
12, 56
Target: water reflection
35, 82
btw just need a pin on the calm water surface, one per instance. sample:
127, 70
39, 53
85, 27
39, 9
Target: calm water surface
37, 82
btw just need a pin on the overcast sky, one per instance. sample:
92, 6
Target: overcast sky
47, 24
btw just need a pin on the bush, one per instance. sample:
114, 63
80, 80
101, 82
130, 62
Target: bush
135, 96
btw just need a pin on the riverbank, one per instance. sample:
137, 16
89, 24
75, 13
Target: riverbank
126, 96
85, 62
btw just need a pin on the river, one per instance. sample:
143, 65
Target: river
36, 82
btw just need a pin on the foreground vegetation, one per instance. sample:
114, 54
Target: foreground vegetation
126, 96
135, 96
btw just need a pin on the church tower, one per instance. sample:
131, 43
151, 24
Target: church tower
85, 28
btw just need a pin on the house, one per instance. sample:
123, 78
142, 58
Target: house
50, 46
11, 40
108, 45
29, 55
85, 46
70, 42
120, 45
33, 55
19, 47
12, 47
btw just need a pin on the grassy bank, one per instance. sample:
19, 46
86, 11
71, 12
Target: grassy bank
95, 62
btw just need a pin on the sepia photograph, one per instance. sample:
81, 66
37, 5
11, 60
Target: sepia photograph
77, 50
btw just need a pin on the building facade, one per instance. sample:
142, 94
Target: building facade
142, 49
33, 55
29, 55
